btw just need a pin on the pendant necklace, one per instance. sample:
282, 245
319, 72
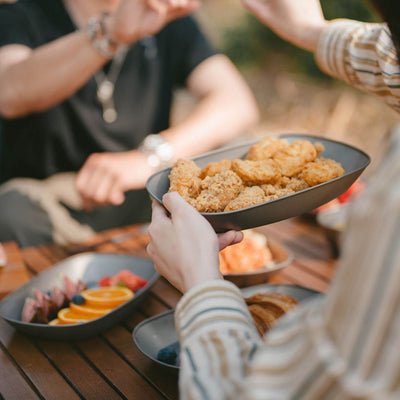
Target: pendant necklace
106, 86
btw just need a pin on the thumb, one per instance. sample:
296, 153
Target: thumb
173, 202
229, 238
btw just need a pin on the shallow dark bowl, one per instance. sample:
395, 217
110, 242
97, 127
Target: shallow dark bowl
89, 267
155, 333
353, 160
281, 258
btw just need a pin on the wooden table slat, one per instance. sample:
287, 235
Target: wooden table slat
117, 371
35, 365
84, 378
160, 377
13, 386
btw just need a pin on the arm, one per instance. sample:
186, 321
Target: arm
226, 107
361, 54
212, 317
34, 80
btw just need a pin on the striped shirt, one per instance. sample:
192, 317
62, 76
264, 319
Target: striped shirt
345, 345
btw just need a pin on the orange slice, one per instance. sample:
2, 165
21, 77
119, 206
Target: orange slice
55, 321
107, 296
86, 309
66, 316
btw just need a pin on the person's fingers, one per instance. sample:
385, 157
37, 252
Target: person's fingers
174, 203
158, 211
115, 194
100, 186
229, 238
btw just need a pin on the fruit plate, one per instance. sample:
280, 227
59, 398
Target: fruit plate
158, 332
89, 267
353, 160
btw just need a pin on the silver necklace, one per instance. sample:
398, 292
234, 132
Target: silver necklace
106, 86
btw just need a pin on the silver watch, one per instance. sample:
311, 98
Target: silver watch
159, 153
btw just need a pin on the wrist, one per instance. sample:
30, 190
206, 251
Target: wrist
98, 32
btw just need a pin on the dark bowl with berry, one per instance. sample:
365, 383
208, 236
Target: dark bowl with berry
157, 339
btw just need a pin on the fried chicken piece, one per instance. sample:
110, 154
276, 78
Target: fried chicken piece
273, 192
319, 147
266, 308
218, 191
184, 179
215, 168
249, 196
296, 184
256, 172
266, 148
294, 157
321, 170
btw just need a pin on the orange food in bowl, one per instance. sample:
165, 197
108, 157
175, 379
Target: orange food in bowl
66, 316
251, 254
107, 296
87, 309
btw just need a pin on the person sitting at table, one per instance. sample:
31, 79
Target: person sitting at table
87, 87
342, 346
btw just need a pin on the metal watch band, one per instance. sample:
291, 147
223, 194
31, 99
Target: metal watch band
159, 153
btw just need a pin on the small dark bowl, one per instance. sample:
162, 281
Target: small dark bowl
281, 258
353, 160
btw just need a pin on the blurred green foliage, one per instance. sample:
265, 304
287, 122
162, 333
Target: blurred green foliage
252, 43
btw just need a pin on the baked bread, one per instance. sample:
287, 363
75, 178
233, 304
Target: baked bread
266, 308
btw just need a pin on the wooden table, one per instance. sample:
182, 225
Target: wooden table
109, 366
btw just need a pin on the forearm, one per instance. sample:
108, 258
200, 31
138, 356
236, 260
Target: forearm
48, 75
363, 55
217, 337
226, 109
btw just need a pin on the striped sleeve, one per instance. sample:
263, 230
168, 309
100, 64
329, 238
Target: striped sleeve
363, 55
218, 338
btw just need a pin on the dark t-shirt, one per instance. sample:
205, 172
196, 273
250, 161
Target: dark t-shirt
61, 138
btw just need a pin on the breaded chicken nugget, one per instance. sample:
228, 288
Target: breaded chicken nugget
296, 183
265, 149
256, 172
184, 179
319, 147
275, 191
249, 196
215, 168
294, 157
321, 170
218, 191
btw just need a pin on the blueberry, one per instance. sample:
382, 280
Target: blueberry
78, 299
168, 355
